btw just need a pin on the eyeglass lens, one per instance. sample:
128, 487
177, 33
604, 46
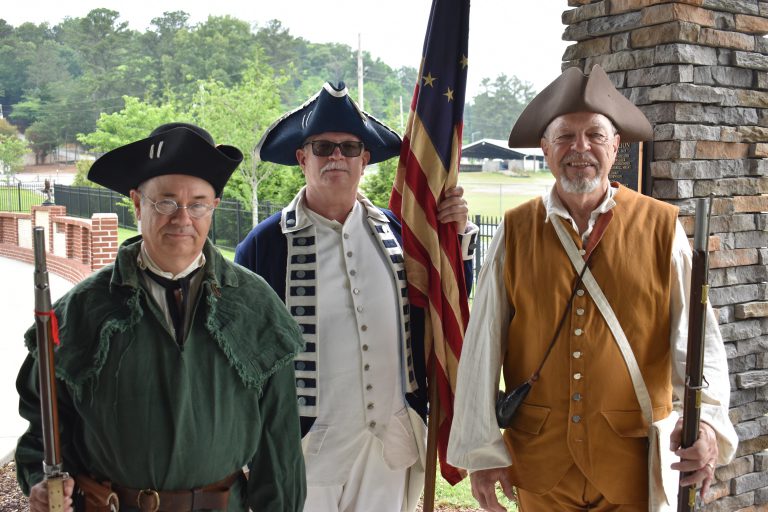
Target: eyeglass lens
169, 207
348, 148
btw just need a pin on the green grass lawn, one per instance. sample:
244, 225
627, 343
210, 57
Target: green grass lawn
460, 496
14, 200
491, 194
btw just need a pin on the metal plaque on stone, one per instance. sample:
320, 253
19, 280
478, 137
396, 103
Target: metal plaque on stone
628, 167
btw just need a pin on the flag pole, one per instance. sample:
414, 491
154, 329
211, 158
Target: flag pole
433, 424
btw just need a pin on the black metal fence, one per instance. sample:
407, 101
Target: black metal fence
231, 221
85, 201
20, 197
487, 226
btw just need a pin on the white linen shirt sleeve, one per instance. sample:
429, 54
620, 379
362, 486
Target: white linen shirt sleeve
716, 396
468, 239
475, 442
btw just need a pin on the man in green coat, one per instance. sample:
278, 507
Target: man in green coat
175, 369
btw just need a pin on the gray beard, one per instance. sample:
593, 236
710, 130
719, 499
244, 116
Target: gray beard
580, 185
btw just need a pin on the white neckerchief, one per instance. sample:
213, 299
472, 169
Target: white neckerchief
145, 262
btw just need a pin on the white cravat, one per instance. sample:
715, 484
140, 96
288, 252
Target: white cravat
157, 292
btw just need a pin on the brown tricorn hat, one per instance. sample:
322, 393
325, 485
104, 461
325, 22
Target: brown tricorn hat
573, 91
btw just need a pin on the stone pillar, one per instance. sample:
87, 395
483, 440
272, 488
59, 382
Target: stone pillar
699, 71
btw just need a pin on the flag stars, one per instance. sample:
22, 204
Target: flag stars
449, 94
429, 80
463, 62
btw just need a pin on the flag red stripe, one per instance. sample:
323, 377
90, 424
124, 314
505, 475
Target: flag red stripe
438, 300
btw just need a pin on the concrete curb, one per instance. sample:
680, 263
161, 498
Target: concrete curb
8, 457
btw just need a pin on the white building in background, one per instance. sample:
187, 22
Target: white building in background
495, 155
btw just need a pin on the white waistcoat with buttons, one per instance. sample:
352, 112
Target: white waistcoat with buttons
355, 343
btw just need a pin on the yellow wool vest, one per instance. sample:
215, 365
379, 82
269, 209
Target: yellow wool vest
584, 409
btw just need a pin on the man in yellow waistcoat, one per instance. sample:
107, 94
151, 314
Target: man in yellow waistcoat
579, 440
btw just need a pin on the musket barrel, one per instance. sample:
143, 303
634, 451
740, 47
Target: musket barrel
701, 225
697, 317
52, 461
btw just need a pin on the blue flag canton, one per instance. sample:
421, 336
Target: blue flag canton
443, 80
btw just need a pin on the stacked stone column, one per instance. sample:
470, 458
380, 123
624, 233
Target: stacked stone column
699, 71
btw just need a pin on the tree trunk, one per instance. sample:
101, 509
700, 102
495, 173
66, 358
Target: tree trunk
255, 199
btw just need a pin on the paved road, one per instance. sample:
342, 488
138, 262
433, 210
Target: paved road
16, 316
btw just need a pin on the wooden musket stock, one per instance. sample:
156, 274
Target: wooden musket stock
694, 364
44, 323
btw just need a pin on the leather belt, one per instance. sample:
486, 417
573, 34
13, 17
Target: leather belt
213, 496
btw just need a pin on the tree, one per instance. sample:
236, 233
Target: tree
12, 148
7, 128
159, 44
135, 121
238, 115
497, 107
61, 78
101, 40
81, 176
48, 66
218, 49
378, 180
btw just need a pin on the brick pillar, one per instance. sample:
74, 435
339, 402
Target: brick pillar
10, 230
71, 245
699, 71
52, 211
103, 239
84, 237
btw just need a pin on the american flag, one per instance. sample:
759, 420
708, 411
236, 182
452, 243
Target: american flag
429, 165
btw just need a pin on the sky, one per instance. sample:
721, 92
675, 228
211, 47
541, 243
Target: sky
517, 38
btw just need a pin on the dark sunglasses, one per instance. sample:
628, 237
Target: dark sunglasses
326, 148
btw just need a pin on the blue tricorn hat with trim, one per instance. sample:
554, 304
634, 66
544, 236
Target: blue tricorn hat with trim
330, 110
173, 148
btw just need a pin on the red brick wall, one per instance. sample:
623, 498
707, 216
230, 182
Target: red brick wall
90, 243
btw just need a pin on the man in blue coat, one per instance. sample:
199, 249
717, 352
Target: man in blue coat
336, 260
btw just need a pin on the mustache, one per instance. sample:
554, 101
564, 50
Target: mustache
578, 158
179, 231
334, 166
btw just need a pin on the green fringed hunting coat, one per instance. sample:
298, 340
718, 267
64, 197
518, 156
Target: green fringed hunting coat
139, 410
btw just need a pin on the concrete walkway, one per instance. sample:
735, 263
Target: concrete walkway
17, 303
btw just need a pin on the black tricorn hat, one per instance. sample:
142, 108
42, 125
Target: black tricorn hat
173, 148
330, 110
573, 92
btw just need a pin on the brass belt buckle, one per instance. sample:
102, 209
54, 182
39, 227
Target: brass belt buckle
148, 492
113, 502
